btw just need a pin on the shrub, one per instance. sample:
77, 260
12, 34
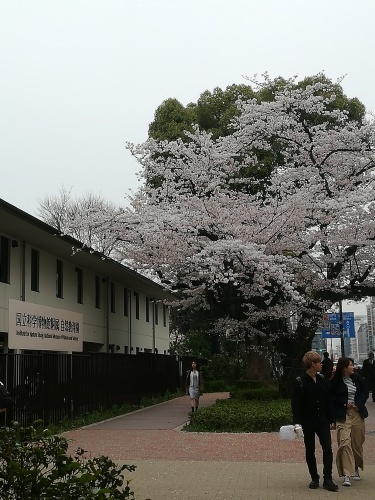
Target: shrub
215, 386
260, 394
34, 464
233, 415
255, 384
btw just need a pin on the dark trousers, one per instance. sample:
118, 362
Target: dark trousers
322, 430
370, 383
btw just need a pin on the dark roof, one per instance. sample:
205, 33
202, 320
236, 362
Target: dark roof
22, 226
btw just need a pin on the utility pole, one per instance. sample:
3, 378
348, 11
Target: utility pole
341, 330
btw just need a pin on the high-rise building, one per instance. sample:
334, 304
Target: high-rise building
370, 324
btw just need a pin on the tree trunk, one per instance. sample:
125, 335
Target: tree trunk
258, 366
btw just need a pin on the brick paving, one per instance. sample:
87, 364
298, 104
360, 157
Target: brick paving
172, 464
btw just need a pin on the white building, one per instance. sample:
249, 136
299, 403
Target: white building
121, 310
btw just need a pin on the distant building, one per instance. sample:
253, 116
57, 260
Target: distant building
362, 339
53, 296
318, 343
357, 343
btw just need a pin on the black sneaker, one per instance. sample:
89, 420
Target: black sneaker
314, 484
329, 485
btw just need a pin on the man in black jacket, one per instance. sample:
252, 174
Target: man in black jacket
368, 373
312, 408
327, 366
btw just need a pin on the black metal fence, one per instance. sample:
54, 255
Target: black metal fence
51, 387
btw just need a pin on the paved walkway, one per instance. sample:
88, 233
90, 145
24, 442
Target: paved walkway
175, 465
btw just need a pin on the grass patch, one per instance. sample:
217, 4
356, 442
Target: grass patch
258, 393
231, 415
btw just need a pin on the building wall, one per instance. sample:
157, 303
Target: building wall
104, 325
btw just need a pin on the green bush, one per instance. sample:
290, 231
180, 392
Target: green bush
215, 386
34, 464
260, 394
231, 415
255, 384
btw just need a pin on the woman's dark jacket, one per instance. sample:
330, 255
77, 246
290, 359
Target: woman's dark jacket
339, 391
311, 401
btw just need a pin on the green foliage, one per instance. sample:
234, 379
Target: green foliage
221, 367
212, 112
215, 110
255, 384
171, 120
353, 106
216, 386
233, 415
35, 464
193, 343
259, 393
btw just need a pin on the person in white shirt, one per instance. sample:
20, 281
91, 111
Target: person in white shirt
194, 386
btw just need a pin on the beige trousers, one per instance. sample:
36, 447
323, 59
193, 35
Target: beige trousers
350, 439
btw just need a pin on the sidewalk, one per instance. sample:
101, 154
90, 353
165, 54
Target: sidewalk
175, 465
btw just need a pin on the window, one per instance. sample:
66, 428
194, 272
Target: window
164, 315
59, 279
4, 259
126, 302
79, 285
147, 310
136, 295
113, 297
34, 270
156, 306
97, 292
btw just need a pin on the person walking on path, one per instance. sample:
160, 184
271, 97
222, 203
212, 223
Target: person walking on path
327, 366
349, 394
194, 385
368, 373
312, 409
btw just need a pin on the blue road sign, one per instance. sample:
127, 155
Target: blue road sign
331, 325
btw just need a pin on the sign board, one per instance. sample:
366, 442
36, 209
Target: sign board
37, 327
331, 325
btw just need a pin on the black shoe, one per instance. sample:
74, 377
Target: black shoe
314, 484
329, 485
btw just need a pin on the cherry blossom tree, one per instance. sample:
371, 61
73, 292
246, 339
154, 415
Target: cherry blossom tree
262, 257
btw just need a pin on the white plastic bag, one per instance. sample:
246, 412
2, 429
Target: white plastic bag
287, 433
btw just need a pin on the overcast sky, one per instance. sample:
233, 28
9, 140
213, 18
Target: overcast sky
80, 78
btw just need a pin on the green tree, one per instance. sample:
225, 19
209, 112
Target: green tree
171, 120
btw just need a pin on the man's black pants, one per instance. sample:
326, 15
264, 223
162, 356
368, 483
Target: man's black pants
322, 430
